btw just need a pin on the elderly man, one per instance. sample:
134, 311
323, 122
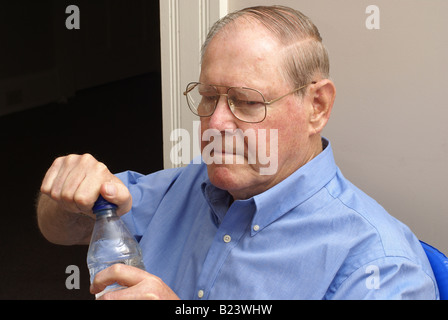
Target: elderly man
224, 230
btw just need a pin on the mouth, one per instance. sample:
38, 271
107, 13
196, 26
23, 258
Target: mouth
220, 157
232, 148
229, 157
221, 153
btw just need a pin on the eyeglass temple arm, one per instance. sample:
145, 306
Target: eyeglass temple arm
293, 91
190, 89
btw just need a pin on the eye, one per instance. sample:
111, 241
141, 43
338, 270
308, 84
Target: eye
207, 94
246, 104
246, 98
208, 98
251, 103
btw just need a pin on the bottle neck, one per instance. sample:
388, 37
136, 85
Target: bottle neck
106, 213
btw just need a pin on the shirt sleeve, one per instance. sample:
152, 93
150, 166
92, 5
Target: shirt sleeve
147, 192
388, 278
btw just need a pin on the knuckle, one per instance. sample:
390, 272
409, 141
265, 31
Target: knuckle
55, 195
101, 168
89, 161
57, 161
82, 199
157, 281
116, 268
66, 196
45, 188
87, 157
70, 159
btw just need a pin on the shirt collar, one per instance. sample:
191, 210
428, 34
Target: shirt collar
217, 199
295, 189
280, 199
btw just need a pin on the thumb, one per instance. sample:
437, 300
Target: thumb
117, 193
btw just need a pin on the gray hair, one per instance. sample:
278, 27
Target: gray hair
305, 56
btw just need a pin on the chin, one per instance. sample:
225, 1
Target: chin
221, 176
227, 177
241, 181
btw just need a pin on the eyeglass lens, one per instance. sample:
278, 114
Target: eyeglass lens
246, 104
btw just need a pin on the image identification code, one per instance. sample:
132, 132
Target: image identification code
238, 309
225, 309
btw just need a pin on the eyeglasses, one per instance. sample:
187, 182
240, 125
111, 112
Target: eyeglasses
246, 104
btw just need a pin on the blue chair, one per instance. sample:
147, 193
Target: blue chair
439, 265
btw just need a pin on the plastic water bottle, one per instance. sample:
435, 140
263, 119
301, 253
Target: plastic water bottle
111, 243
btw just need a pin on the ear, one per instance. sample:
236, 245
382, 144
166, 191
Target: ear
322, 96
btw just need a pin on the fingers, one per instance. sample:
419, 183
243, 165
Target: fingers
140, 284
51, 175
124, 275
75, 182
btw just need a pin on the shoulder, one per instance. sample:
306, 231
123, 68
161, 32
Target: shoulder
390, 236
381, 249
385, 278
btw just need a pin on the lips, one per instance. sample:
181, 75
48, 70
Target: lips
230, 145
231, 148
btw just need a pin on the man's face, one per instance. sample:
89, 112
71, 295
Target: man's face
247, 56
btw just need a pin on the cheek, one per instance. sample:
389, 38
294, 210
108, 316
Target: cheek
203, 127
292, 129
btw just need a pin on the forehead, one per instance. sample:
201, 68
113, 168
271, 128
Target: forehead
242, 54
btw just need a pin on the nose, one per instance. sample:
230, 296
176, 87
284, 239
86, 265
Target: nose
222, 119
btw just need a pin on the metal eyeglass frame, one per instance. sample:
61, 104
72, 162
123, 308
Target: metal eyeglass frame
193, 85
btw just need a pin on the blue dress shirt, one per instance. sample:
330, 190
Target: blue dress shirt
312, 236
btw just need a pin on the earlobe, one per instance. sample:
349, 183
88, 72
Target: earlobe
322, 95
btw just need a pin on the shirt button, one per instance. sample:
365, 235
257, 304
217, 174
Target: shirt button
227, 238
256, 227
200, 294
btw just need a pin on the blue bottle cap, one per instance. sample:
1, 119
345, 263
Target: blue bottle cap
102, 204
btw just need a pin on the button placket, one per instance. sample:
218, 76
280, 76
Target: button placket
229, 233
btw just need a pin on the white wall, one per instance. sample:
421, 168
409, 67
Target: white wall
388, 126
183, 28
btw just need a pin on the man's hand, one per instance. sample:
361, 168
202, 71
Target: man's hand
75, 182
140, 284
68, 193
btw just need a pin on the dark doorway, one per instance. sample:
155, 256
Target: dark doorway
94, 90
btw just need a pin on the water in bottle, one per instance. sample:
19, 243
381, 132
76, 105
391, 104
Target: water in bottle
111, 243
